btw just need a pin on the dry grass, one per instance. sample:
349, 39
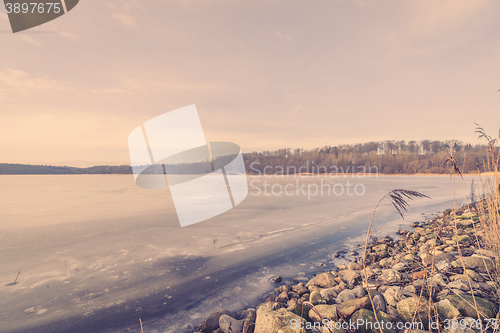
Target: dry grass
399, 199
487, 235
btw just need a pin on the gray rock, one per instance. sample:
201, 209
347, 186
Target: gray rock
350, 294
378, 303
476, 262
474, 276
446, 310
314, 288
316, 298
246, 315
211, 323
390, 276
392, 296
400, 267
462, 239
465, 303
350, 306
328, 312
408, 307
418, 283
384, 263
283, 297
348, 276
438, 279
457, 291
248, 327
329, 295
368, 317
300, 279
456, 277
354, 266
442, 266
269, 321
459, 284
323, 280
409, 257
369, 272
487, 253
411, 289
426, 257
486, 286
276, 279
226, 322
379, 248
300, 289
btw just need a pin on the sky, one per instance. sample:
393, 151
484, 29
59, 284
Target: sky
263, 74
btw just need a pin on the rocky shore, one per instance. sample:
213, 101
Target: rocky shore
432, 278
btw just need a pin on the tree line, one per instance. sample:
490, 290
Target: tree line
387, 157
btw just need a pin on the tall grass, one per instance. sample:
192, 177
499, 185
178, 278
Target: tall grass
488, 237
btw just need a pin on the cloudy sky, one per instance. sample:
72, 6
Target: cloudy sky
263, 74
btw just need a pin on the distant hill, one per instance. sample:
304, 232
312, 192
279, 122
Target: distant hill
386, 157
26, 169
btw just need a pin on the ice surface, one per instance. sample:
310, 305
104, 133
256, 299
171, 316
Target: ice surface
97, 252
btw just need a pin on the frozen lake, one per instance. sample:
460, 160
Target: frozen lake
97, 253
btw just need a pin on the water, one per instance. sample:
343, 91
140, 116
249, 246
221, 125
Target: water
97, 253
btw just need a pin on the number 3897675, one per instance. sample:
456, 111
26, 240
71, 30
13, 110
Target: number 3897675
32, 7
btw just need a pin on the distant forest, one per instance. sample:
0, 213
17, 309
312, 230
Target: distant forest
26, 169
388, 157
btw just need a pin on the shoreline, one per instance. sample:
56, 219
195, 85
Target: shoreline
337, 175
397, 280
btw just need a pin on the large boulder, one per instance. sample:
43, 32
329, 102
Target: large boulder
300, 289
447, 310
316, 298
462, 239
230, 325
349, 307
348, 276
465, 304
481, 264
300, 309
323, 280
248, 327
212, 322
393, 296
391, 276
271, 321
322, 312
410, 306
366, 323
329, 295
378, 303
348, 294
